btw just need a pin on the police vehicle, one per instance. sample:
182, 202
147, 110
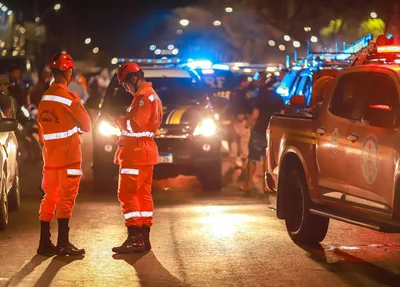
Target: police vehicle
303, 74
188, 139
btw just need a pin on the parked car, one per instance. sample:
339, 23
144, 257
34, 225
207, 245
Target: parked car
9, 179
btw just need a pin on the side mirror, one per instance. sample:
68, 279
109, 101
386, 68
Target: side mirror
8, 125
298, 101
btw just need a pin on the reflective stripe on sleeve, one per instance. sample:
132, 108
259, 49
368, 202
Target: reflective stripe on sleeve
61, 135
137, 135
131, 215
57, 99
146, 213
151, 98
129, 171
128, 125
129, 109
74, 171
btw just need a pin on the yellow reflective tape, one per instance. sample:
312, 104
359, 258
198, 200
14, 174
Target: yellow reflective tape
301, 139
177, 116
298, 132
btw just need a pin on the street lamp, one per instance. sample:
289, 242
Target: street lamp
271, 43
296, 44
95, 50
314, 39
56, 7
175, 51
228, 9
184, 22
179, 32
9, 13
171, 47
282, 47
87, 41
114, 61
374, 15
217, 23
307, 29
286, 38
157, 52
152, 47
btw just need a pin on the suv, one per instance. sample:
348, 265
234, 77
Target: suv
344, 162
188, 139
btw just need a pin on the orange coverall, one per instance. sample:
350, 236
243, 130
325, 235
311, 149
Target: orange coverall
62, 118
137, 153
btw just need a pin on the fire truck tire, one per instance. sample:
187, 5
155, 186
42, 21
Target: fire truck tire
302, 226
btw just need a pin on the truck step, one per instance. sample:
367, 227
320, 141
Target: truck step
373, 226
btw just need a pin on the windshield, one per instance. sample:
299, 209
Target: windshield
170, 90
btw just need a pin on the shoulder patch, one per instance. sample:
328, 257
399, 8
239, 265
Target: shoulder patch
141, 103
151, 98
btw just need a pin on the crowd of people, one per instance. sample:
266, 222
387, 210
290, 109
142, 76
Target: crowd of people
250, 118
16, 92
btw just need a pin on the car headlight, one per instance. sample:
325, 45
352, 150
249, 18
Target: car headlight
109, 129
206, 128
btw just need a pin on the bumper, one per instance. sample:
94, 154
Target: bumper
185, 152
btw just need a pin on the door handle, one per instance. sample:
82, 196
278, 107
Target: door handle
321, 131
352, 138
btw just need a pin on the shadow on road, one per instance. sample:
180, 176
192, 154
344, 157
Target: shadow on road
52, 269
149, 270
26, 270
48, 275
351, 268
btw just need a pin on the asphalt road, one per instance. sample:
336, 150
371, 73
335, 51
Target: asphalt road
198, 240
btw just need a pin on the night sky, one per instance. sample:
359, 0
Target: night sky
124, 27
113, 25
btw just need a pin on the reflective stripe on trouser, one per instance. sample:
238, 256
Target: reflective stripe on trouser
134, 194
61, 188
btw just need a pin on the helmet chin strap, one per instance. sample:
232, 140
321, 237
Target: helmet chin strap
136, 84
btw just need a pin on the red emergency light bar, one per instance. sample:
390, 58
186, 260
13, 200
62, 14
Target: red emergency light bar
388, 49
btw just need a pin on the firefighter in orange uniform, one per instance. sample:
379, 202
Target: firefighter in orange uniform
137, 153
62, 118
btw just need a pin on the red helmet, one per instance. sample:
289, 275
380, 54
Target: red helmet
62, 62
126, 69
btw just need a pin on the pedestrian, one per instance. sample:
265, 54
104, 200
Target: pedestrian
241, 108
62, 118
42, 85
137, 153
267, 103
16, 88
77, 87
8, 104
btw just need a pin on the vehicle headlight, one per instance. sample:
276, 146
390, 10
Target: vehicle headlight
109, 129
206, 128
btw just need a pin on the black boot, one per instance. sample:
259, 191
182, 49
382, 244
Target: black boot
46, 247
146, 236
66, 248
133, 244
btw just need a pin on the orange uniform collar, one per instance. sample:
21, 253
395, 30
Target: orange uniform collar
58, 85
146, 85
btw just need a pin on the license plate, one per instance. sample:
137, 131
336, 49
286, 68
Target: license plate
165, 158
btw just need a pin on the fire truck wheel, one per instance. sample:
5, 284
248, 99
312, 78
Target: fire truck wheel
302, 226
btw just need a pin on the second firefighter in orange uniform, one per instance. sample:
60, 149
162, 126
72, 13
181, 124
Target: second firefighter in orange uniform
137, 153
